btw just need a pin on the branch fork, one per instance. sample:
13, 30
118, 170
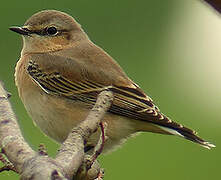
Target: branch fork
70, 160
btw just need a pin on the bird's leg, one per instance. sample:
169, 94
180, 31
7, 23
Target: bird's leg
102, 139
100, 145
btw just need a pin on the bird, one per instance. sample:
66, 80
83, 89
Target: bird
60, 74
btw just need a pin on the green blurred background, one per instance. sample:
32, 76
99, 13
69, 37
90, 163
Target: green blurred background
171, 48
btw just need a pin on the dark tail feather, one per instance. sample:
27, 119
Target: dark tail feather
177, 129
194, 138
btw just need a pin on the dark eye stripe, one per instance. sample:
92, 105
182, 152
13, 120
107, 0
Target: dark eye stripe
44, 32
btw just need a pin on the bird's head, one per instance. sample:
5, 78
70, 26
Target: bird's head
49, 30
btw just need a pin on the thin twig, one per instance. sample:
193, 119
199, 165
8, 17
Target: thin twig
8, 166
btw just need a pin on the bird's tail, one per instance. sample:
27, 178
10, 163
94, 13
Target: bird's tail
182, 131
190, 136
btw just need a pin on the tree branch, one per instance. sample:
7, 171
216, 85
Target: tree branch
216, 4
33, 165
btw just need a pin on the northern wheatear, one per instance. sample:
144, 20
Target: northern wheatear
61, 72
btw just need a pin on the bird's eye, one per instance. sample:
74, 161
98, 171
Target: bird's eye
52, 30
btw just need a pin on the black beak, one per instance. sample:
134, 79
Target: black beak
20, 30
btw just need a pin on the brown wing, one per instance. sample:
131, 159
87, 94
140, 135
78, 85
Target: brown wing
128, 101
